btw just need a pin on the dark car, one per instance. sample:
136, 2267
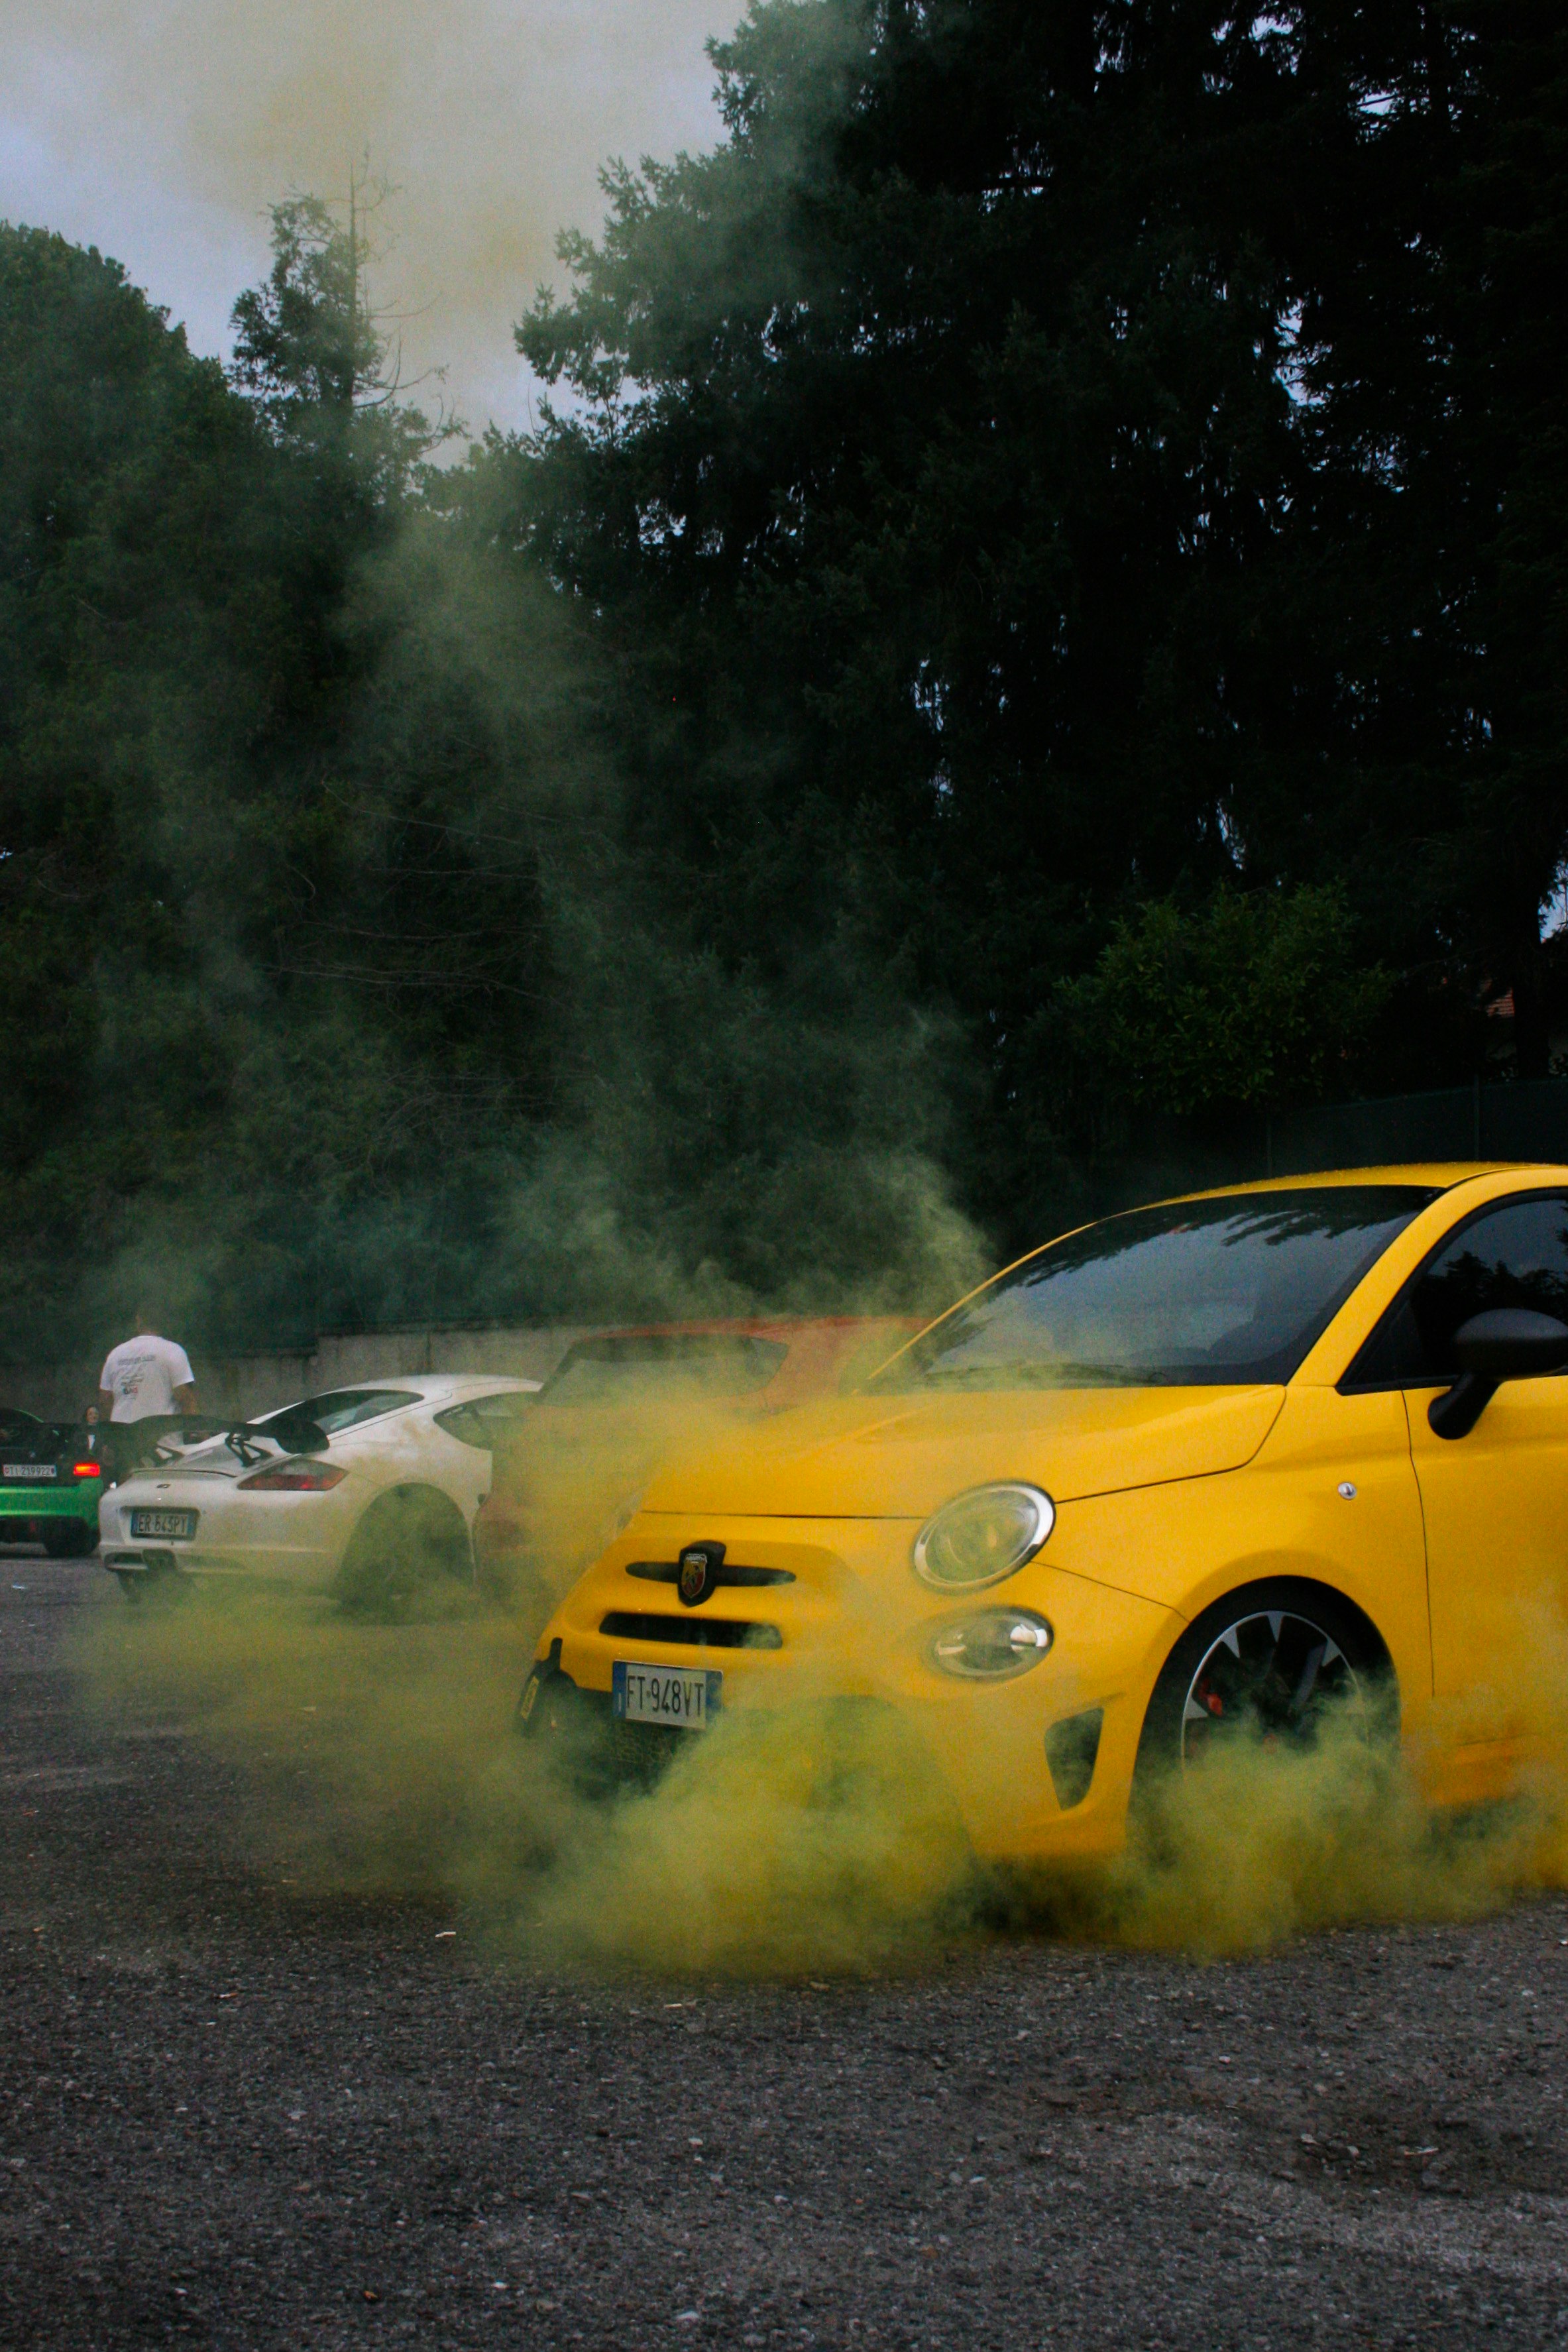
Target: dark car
619, 1403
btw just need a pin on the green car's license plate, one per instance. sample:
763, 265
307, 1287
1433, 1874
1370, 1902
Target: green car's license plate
162, 1523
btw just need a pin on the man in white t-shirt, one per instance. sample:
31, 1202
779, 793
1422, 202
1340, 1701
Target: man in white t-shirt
146, 1375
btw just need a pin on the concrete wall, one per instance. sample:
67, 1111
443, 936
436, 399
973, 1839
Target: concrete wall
248, 1385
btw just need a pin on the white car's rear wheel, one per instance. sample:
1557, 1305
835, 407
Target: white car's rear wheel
411, 1549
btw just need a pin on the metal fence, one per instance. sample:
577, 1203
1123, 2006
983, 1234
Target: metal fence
1528, 1121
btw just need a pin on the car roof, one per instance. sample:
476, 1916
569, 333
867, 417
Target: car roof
430, 1385
813, 1347
1438, 1175
1431, 1175
766, 1326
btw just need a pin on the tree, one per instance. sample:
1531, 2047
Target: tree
1245, 1002
1045, 595
262, 965
127, 471
317, 359
1053, 459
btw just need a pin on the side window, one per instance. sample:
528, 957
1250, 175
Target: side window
1515, 1254
487, 1421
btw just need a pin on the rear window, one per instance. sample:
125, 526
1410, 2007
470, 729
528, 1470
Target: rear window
1193, 1294
487, 1421
704, 1363
26, 1439
342, 1409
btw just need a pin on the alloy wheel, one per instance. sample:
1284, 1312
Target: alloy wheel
1271, 1674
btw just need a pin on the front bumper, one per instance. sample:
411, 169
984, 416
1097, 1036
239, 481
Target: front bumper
853, 1622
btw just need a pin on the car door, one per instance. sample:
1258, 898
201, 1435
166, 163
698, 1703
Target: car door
1493, 1501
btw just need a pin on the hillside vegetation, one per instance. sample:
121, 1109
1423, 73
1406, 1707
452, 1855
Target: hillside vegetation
1031, 630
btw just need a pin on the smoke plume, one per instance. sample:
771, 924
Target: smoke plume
162, 132
806, 1839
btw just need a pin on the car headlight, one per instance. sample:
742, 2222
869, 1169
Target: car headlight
982, 1536
990, 1645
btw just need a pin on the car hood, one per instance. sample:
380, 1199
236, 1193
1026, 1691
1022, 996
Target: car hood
902, 1457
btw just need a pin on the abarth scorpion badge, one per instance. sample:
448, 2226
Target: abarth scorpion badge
698, 1572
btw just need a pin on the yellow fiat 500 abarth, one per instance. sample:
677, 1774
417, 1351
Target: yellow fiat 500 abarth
1208, 1463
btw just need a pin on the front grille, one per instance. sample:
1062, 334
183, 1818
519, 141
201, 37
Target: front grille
666, 1572
693, 1632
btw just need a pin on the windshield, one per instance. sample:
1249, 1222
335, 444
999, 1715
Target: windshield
1194, 1294
714, 1364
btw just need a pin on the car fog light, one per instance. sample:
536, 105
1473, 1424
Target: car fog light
991, 1644
983, 1536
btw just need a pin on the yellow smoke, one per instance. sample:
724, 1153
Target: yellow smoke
570, 1481
812, 1840
1259, 1844
380, 1760
493, 119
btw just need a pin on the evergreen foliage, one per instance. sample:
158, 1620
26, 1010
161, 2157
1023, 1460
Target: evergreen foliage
1041, 616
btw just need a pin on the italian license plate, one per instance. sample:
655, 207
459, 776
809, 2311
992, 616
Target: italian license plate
162, 1523
684, 1695
30, 1470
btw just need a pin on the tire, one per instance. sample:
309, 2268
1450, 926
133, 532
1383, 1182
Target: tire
1268, 1661
409, 1556
70, 1539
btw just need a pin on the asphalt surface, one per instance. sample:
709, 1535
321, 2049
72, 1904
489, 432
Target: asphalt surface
238, 2122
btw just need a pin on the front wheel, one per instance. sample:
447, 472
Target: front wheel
409, 1556
1270, 1663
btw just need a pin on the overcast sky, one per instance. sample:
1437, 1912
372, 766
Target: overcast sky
161, 131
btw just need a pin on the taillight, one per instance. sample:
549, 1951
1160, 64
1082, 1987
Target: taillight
294, 1478
86, 1469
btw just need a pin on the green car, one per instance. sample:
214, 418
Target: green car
51, 1478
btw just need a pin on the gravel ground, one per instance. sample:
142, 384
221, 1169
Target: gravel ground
250, 2124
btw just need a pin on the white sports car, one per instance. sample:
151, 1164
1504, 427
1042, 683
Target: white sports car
370, 1492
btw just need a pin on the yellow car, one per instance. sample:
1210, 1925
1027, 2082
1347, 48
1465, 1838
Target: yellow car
1200, 1466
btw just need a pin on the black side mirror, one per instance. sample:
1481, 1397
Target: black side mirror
1508, 1343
